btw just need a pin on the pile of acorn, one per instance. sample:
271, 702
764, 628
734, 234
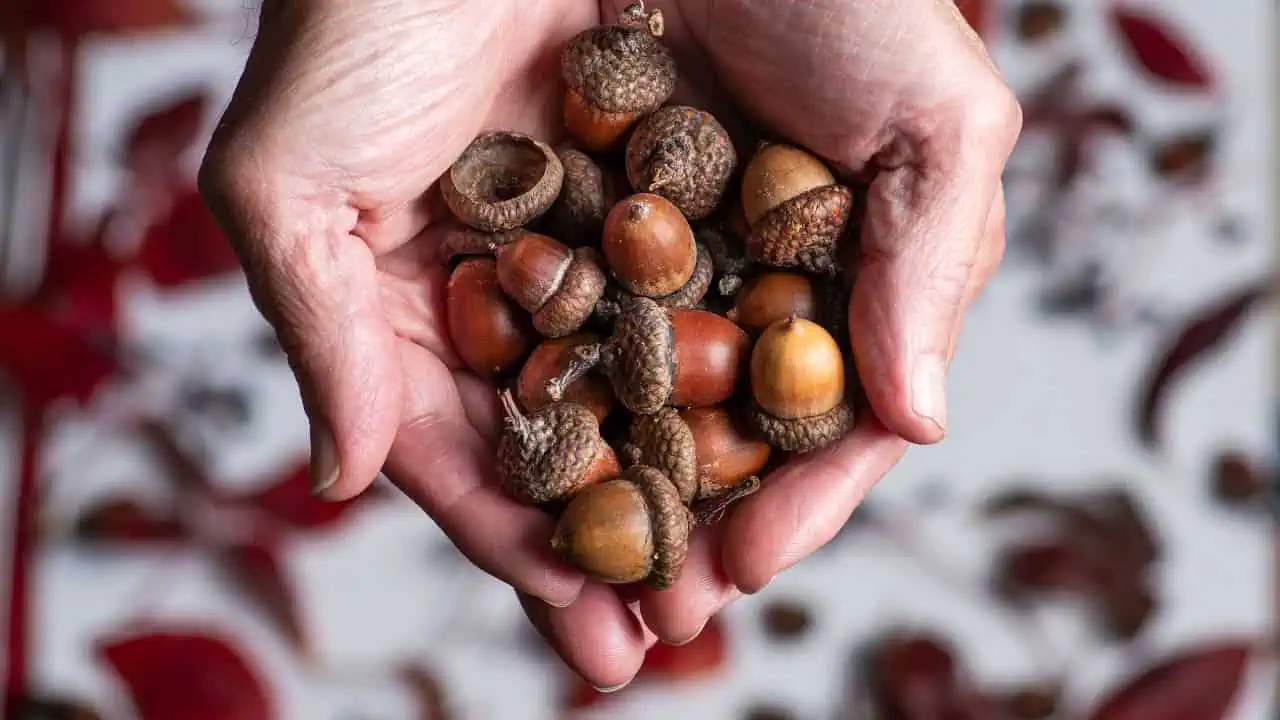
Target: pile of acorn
644, 318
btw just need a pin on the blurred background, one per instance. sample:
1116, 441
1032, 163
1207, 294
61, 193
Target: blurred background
1094, 539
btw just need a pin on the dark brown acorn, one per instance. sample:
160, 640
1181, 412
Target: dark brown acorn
552, 453
558, 285
490, 333
684, 155
798, 383
773, 296
613, 75
632, 529
704, 451
795, 208
551, 358
657, 357
502, 180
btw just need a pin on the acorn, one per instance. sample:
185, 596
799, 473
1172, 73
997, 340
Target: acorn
577, 217
632, 529
551, 358
684, 155
502, 180
656, 357
798, 384
458, 242
704, 451
773, 296
649, 246
615, 74
796, 210
552, 453
490, 333
558, 285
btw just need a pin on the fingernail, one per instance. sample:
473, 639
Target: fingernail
612, 688
929, 391
694, 636
324, 460
561, 603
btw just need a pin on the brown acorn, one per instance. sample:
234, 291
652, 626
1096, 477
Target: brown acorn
502, 180
551, 453
577, 217
614, 74
773, 296
798, 383
490, 333
551, 358
684, 155
649, 246
632, 529
558, 285
796, 209
703, 451
657, 357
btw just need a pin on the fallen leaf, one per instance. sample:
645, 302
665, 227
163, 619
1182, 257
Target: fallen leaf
1052, 566
188, 675
702, 658
290, 501
158, 139
256, 570
1039, 20
427, 691
974, 12
52, 361
123, 520
913, 675
1235, 480
1186, 158
1197, 684
1158, 50
786, 619
48, 708
84, 17
186, 245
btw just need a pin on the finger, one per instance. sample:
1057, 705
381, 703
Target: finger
989, 257
925, 221
446, 467
678, 614
804, 504
597, 636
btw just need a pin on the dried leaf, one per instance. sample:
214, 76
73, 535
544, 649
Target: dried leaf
1127, 606
1186, 158
255, 568
49, 360
124, 520
188, 675
1203, 333
704, 657
786, 619
79, 286
1198, 684
1158, 50
185, 246
913, 675
1235, 479
158, 139
47, 708
1052, 566
1039, 20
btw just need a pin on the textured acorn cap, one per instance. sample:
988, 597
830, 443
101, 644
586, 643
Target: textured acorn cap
502, 180
623, 67
684, 155
671, 524
803, 232
577, 217
544, 456
804, 434
664, 441
695, 288
461, 241
571, 305
638, 356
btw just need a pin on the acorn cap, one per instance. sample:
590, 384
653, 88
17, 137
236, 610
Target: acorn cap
695, 288
502, 180
671, 524
577, 217
803, 232
804, 434
664, 441
639, 354
571, 305
544, 456
623, 67
461, 241
683, 154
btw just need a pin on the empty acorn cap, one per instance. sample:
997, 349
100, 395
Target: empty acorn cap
684, 155
502, 180
571, 305
803, 434
663, 440
547, 455
623, 67
638, 356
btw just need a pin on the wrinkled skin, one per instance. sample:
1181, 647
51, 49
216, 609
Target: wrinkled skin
322, 173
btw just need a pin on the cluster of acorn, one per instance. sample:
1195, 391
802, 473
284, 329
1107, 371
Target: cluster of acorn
634, 301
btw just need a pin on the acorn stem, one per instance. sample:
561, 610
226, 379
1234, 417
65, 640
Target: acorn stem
515, 419
584, 359
712, 510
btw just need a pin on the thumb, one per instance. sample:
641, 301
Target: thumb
921, 238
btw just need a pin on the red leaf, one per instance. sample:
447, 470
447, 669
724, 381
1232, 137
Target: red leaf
701, 658
81, 17
255, 568
188, 676
1158, 50
1047, 567
1203, 333
290, 501
48, 708
159, 138
124, 520
1200, 684
48, 360
79, 286
185, 246
974, 13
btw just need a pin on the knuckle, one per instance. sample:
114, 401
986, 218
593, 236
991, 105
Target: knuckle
991, 115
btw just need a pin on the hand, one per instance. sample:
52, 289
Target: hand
347, 114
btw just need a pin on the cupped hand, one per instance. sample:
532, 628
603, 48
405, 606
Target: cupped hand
347, 114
